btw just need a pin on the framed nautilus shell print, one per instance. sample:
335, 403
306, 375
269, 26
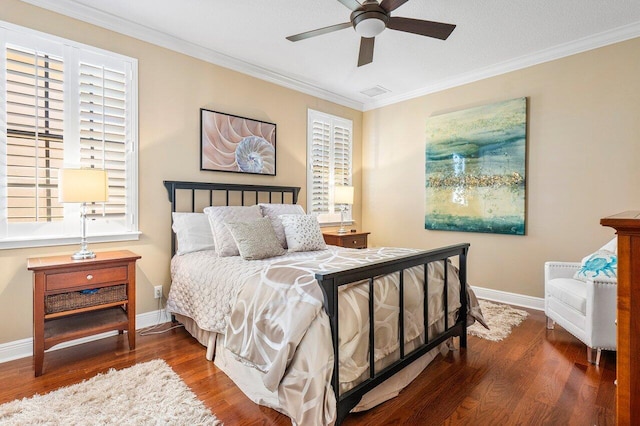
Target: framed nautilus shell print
229, 143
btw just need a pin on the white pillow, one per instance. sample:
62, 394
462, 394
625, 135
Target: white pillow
272, 211
193, 232
303, 232
611, 246
256, 239
599, 266
218, 215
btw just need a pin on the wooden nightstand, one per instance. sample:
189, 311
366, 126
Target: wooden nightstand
63, 312
356, 240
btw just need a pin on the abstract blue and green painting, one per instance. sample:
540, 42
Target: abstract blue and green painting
475, 169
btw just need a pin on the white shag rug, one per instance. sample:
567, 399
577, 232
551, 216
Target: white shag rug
500, 319
150, 393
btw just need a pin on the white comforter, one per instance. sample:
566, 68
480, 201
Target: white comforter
204, 286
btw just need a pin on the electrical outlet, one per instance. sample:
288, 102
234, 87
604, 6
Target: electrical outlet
157, 292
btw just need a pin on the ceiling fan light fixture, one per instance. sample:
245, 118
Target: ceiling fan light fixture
370, 27
370, 17
369, 21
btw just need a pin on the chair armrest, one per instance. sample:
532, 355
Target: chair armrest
560, 270
601, 311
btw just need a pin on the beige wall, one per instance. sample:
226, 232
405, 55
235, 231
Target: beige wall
172, 89
583, 149
583, 152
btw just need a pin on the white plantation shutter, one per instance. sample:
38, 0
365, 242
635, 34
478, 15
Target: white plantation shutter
103, 132
34, 134
329, 160
342, 154
64, 105
320, 167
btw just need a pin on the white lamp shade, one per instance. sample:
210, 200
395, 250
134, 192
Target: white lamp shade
343, 195
370, 27
82, 185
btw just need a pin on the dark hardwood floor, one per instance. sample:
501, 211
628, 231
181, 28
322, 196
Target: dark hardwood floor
534, 377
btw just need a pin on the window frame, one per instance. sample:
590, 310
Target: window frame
333, 216
68, 230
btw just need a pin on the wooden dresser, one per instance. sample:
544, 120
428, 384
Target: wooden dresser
627, 225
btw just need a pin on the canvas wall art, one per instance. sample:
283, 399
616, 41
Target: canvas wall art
475, 169
236, 144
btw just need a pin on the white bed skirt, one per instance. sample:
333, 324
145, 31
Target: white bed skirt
250, 381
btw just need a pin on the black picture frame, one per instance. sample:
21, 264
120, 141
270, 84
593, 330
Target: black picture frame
230, 143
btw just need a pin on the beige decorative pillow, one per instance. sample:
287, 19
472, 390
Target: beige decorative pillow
273, 211
255, 239
303, 232
219, 215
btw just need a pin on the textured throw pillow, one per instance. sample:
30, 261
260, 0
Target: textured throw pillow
272, 211
256, 239
601, 266
303, 232
219, 215
193, 232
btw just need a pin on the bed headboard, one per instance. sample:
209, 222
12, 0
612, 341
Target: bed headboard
194, 196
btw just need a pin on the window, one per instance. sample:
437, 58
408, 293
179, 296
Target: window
63, 104
329, 158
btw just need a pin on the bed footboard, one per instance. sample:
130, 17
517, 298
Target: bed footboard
331, 281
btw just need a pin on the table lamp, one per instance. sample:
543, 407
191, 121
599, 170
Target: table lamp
343, 195
83, 186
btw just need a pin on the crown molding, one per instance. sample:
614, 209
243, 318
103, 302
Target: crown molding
584, 44
88, 14
123, 26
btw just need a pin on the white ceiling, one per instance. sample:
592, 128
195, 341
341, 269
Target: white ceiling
491, 37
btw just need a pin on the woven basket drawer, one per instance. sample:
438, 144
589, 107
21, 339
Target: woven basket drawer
77, 300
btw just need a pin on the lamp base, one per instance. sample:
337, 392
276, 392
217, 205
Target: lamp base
83, 254
342, 231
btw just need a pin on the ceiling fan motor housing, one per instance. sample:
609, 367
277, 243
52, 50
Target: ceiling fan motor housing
370, 19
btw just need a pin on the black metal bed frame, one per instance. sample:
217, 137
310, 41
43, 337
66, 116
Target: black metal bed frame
190, 188
331, 281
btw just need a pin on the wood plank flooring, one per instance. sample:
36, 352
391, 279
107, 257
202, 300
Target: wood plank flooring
534, 377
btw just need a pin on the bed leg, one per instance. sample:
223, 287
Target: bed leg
463, 338
455, 343
211, 347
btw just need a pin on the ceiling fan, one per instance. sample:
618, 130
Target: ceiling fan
370, 18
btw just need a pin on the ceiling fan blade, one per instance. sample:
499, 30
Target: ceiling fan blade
351, 4
391, 5
366, 51
319, 31
426, 28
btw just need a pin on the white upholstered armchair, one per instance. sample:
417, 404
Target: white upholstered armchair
585, 308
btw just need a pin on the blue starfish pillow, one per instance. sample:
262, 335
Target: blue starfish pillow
599, 266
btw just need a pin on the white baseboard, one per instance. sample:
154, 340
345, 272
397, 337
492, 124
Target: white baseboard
24, 347
530, 302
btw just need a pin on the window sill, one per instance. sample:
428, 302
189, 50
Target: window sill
16, 243
334, 224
